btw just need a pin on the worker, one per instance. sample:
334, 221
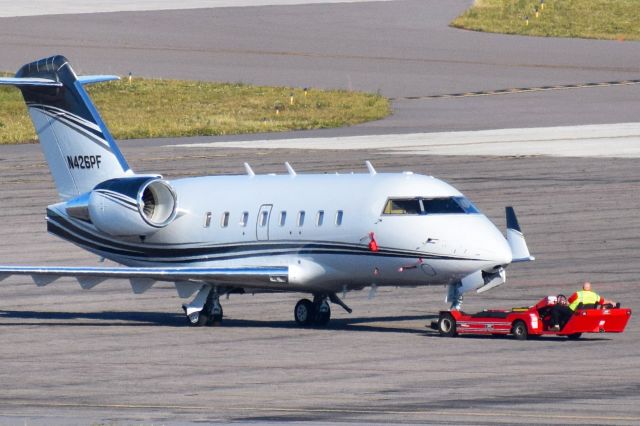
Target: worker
587, 297
560, 313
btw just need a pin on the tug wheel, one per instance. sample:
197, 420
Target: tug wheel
519, 330
447, 325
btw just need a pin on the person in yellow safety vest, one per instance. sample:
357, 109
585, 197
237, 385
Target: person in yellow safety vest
587, 297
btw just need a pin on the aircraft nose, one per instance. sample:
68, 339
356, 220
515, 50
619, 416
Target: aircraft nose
495, 246
501, 251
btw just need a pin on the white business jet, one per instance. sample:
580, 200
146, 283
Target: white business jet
319, 234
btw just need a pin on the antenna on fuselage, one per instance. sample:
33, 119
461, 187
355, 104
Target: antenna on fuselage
372, 170
290, 169
249, 170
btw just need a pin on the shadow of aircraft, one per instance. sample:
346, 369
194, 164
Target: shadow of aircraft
163, 319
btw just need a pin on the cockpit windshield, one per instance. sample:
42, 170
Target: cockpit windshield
426, 206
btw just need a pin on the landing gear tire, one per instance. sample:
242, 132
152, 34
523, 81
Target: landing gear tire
215, 319
447, 325
304, 312
322, 318
574, 336
519, 330
197, 319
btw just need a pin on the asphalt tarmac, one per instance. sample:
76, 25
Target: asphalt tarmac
69, 356
106, 355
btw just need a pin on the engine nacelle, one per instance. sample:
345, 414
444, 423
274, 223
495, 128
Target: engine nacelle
137, 205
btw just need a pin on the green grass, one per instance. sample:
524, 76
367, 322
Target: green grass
173, 108
599, 19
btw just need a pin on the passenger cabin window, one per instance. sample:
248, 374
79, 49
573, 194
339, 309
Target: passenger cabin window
283, 218
339, 215
224, 221
300, 218
264, 216
320, 218
207, 219
244, 219
425, 206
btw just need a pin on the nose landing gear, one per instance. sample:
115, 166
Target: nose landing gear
454, 296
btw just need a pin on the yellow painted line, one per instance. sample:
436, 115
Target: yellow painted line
371, 411
522, 90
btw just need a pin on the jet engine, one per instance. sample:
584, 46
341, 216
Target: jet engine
137, 205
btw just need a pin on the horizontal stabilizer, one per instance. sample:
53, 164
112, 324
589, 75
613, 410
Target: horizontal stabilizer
515, 238
45, 82
29, 81
90, 79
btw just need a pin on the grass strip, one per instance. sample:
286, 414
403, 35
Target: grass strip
597, 19
150, 108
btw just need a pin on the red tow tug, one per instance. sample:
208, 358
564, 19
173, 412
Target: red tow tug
533, 321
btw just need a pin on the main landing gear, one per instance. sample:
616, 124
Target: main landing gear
205, 308
317, 312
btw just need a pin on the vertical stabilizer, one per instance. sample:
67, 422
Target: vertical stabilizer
76, 143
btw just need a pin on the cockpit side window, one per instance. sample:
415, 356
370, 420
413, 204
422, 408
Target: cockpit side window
402, 206
428, 205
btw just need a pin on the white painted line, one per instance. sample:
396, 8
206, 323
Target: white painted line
607, 140
12, 8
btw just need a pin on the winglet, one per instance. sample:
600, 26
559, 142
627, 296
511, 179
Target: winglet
512, 220
515, 238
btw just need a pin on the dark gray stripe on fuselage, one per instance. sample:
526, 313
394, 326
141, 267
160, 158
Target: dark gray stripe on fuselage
63, 228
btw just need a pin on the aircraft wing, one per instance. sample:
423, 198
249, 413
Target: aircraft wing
187, 280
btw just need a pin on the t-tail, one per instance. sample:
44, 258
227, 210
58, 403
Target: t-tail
79, 149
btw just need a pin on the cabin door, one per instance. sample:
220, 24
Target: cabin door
262, 224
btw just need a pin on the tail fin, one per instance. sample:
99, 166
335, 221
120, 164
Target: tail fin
76, 143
